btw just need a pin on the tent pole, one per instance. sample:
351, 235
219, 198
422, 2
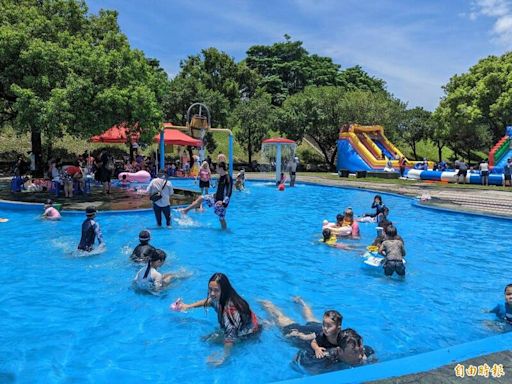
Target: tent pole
162, 150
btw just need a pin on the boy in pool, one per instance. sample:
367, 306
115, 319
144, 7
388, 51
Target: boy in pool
90, 231
394, 252
240, 180
504, 311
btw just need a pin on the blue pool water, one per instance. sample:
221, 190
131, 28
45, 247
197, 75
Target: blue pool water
76, 319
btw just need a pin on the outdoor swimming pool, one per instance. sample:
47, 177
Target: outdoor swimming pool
72, 319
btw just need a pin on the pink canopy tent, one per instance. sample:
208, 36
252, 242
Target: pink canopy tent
117, 134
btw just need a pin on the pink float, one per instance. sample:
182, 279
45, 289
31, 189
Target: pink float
140, 176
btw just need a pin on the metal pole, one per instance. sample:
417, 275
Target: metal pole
230, 154
162, 150
278, 162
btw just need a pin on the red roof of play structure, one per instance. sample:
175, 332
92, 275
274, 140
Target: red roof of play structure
278, 140
175, 137
116, 134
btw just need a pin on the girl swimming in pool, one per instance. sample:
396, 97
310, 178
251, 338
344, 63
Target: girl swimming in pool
233, 313
148, 277
330, 239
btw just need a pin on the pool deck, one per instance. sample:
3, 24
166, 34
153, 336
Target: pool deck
494, 201
446, 374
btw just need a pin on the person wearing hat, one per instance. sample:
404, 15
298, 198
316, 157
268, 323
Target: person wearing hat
142, 251
50, 212
162, 186
90, 231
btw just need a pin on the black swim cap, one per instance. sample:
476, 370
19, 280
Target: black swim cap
144, 235
90, 210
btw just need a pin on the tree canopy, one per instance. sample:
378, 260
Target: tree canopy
64, 70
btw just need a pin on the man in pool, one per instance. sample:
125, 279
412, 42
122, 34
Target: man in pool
90, 231
220, 199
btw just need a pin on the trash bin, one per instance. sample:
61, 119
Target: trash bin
343, 172
360, 174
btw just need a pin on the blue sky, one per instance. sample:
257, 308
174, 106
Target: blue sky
415, 46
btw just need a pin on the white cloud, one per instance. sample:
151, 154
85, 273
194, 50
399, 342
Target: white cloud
501, 10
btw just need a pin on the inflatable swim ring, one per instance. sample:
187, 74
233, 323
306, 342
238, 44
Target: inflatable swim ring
338, 231
140, 176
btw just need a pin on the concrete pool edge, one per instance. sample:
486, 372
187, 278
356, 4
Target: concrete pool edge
413, 364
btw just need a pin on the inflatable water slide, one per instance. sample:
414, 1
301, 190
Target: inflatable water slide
365, 148
501, 152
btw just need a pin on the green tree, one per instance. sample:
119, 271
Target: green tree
63, 70
252, 119
317, 113
483, 94
464, 132
415, 125
440, 134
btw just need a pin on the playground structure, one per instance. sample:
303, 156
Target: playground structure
365, 148
197, 125
501, 152
276, 150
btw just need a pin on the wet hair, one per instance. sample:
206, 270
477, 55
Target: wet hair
508, 286
156, 255
334, 316
391, 231
339, 217
378, 197
326, 233
385, 223
228, 293
350, 337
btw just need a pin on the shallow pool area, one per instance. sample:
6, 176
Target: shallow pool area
67, 318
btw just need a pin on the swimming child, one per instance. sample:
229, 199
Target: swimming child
282, 179
240, 180
50, 213
394, 252
233, 313
90, 231
330, 239
504, 311
330, 336
142, 251
148, 277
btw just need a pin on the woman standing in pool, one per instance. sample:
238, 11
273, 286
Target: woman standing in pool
233, 313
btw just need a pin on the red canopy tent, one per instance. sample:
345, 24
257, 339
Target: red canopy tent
116, 134
175, 137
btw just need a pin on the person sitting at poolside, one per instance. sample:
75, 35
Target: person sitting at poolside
504, 311
90, 231
219, 200
50, 213
148, 277
394, 252
233, 313
142, 251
